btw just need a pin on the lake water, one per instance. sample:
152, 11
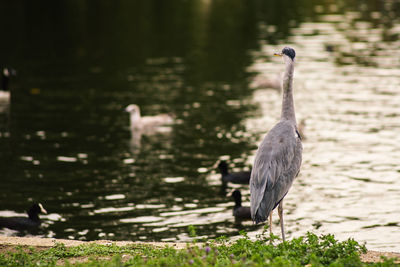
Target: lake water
65, 139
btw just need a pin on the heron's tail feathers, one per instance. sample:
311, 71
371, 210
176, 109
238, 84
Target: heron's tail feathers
260, 216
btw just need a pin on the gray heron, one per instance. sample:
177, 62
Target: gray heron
278, 158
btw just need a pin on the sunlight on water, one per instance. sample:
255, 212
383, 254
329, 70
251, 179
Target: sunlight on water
114, 197
173, 179
143, 219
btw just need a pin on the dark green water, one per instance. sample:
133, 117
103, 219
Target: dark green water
66, 142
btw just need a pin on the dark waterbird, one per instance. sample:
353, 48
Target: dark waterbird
6, 74
240, 212
5, 78
24, 223
279, 155
5, 96
234, 177
4, 90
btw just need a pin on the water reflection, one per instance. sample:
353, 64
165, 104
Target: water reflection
68, 144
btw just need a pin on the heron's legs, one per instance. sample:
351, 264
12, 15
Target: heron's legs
270, 222
270, 226
280, 213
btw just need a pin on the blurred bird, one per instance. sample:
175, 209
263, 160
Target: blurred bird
5, 94
147, 123
5, 79
240, 212
235, 177
279, 155
24, 223
262, 82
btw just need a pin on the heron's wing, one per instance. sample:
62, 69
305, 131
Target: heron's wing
276, 164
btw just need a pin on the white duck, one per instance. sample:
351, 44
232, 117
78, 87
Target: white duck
147, 124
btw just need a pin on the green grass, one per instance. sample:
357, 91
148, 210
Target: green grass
308, 250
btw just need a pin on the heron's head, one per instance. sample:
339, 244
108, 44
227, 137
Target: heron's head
287, 52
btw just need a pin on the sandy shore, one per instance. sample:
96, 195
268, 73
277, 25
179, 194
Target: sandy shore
8, 243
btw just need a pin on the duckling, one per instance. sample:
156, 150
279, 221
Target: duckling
24, 223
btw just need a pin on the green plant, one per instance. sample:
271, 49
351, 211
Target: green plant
308, 250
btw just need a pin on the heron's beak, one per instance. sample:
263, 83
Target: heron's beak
277, 54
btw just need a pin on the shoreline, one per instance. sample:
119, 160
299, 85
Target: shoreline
8, 243
45, 242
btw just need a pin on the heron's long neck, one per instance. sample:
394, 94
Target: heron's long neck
287, 88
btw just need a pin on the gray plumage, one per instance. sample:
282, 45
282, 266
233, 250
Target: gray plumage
278, 158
